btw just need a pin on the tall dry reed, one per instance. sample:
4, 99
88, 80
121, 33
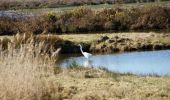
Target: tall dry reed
25, 73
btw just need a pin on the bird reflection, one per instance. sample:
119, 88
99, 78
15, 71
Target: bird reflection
87, 63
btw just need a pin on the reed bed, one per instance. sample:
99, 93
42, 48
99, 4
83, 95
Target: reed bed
25, 73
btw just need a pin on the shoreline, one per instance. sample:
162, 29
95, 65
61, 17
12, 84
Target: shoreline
101, 43
118, 42
99, 84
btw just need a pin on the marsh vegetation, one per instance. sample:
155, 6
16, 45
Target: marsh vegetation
83, 20
25, 74
29, 71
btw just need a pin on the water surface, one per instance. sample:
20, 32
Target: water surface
141, 63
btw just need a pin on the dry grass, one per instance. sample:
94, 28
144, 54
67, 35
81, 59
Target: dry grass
50, 42
18, 4
89, 38
106, 87
25, 73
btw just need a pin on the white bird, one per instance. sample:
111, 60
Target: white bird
86, 54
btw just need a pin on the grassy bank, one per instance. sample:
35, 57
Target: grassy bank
89, 38
95, 43
85, 20
120, 42
105, 86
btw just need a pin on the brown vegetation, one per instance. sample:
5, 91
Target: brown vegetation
96, 43
25, 74
50, 43
133, 42
87, 20
97, 84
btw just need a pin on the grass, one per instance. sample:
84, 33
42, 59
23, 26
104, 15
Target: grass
164, 40
25, 73
74, 65
94, 7
89, 38
85, 38
106, 87
50, 42
18, 4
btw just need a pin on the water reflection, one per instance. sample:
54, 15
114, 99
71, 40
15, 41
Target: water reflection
87, 63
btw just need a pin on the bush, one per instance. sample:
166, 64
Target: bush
76, 20
151, 18
86, 20
7, 26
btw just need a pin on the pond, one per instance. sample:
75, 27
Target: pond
140, 63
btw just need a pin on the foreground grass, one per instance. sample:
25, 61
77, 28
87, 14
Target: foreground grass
105, 86
25, 73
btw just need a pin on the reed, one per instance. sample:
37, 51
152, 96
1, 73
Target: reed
25, 73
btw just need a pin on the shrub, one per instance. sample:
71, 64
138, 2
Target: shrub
86, 20
76, 20
7, 26
153, 18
